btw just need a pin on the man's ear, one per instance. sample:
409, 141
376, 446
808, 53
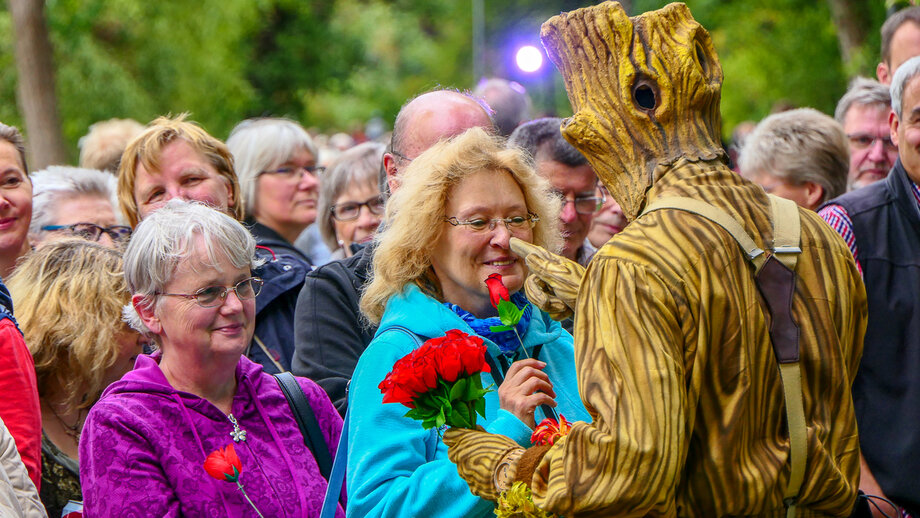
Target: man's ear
881, 72
146, 311
389, 164
813, 194
893, 124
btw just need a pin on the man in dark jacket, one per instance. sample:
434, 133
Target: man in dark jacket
881, 225
330, 333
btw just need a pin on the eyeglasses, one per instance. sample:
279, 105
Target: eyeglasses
351, 210
865, 141
480, 225
213, 296
294, 173
584, 204
401, 156
91, 231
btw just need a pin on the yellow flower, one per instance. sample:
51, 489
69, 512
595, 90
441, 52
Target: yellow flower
518, 503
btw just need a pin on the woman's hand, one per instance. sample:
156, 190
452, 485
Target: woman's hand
525, 388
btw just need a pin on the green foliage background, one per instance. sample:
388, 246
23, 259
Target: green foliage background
332, 64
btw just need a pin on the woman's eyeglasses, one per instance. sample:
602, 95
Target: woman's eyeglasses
212, 296
481, 224
351, 210
91, 231
294, 173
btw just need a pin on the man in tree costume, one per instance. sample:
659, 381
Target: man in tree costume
716, 337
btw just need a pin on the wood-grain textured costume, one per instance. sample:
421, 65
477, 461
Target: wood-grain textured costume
672, 347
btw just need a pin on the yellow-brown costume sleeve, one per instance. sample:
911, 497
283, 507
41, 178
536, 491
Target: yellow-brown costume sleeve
631, 379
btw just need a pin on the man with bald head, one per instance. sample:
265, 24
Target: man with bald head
425, 120
329, 332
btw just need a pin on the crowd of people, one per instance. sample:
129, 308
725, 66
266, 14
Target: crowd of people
155, 299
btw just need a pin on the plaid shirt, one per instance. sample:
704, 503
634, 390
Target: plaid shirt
838, 218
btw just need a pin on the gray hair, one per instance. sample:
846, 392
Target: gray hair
907, 71
862, 92
57, 183
802, 145
167, 237
544, 137
509, 100
12, 135
261, 144
102, 146
360, 164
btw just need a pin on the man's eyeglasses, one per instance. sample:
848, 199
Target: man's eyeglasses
401, 156
294, 173
481, 224
584, 204
91, 231
212, 296
351, 210
865, 141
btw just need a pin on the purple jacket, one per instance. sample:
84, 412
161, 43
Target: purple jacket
144, 444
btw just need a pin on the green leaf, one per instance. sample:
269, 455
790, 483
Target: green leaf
460, 389
481, 407
440, 419
461, 416
498, 329
508, 313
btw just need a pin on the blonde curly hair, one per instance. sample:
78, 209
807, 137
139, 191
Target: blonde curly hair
68, 297
415, 212
146, 149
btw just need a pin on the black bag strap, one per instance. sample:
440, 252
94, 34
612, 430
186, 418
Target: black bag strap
306, 420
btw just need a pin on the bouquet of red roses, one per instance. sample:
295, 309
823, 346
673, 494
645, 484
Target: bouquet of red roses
440, 381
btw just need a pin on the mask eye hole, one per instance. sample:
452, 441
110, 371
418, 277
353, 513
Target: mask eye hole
701, 58
644, 96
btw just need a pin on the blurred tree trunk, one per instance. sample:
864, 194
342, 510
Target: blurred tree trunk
37, 98
853, 21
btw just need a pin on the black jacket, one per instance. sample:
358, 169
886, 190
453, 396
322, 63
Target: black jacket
330, 333
886, 392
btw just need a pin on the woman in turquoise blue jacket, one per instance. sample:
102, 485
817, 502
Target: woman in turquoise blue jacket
448, 228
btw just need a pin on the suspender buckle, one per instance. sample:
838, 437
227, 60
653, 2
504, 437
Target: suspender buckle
787, 250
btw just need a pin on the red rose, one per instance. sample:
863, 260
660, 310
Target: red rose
473, 359
497, 290
426, 380
449, 366
425, 368
223, 464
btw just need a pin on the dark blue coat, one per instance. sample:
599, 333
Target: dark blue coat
283, 275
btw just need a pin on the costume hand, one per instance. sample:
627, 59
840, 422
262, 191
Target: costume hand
553, 286
478, 455
525, 388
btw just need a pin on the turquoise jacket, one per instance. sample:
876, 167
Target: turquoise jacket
395, 468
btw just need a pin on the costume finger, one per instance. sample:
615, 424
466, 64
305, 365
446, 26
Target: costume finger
477, 455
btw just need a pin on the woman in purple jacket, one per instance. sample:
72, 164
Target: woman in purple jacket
145, 442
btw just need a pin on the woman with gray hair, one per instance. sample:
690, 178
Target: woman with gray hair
71, 201
350, 202
801, 155
275, 161
197, 408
